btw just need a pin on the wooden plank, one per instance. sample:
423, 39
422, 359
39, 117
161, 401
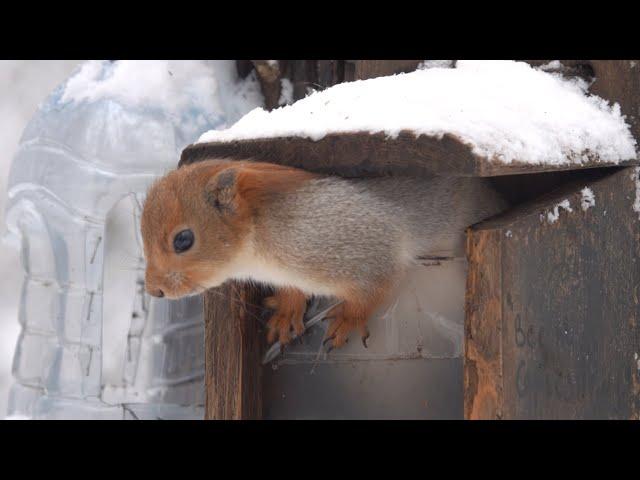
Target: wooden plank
330, 72
363, 154
302, 75
233, 339
269, 75
567, 332
364, 69
482, 362
321, 74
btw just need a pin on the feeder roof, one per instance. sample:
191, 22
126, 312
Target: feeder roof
480, 118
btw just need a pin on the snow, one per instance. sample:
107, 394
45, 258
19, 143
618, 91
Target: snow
588, 199
17, 417
505, 111
286, 92
435, 64
551, 66
176, 85
166, 95
23, 84
554, 214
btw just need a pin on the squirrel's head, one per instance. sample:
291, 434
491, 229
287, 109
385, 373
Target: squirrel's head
193, 223
197, 219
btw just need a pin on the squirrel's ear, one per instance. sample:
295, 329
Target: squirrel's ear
221, 190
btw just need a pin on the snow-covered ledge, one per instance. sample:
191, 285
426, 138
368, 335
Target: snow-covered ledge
479, 118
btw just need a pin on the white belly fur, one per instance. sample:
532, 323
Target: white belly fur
248, 266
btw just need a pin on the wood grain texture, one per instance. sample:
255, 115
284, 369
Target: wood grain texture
330, 72
567, 330
364, 69
482, 364
364, 154
233, 339
270, 82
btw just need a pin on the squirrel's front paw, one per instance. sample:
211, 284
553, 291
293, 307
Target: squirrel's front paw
289, 305
344, 318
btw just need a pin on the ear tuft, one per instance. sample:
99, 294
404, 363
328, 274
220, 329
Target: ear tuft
220, 191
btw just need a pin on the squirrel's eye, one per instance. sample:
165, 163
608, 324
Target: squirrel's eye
183, 241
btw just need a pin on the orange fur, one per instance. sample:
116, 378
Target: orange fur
289, 305
179, 201
354, 313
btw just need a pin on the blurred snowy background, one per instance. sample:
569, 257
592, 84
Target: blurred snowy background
128, 122
23, 85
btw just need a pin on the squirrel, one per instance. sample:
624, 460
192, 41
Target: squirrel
303, 233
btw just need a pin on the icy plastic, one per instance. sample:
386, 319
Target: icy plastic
104, 135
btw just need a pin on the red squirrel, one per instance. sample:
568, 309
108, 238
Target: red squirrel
304, 233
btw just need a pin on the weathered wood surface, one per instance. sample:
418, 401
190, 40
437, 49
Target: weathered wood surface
348, 155
310, 75
270, 81
483, 327
233, 339
553, 309
362, 154
364, 69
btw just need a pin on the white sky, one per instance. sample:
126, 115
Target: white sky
23, 85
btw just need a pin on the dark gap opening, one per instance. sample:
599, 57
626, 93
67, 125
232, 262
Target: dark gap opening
518, 189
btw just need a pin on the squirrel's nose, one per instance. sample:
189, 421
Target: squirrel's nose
157, 293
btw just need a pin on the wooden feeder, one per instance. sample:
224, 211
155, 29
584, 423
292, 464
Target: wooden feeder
551, 309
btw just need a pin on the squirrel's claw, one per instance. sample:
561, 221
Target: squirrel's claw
364, 340
344, 320
328, 339
289, 306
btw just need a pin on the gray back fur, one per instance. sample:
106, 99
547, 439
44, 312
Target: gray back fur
368, 230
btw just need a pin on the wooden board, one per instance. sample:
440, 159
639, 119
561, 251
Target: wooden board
312, 75
363, 154
233, 339
553, 309
364, 69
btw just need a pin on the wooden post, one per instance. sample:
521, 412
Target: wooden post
233, 339
270, 81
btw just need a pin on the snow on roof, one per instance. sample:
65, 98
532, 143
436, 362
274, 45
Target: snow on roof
504, 110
